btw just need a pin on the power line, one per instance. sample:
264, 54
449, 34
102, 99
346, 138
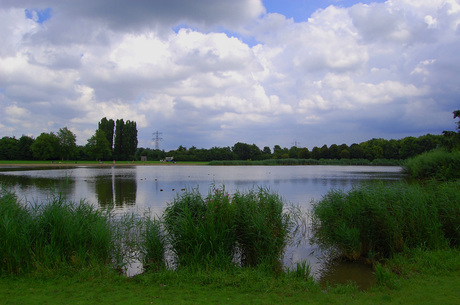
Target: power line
156, 139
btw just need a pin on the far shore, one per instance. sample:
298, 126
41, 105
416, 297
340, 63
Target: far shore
57, 164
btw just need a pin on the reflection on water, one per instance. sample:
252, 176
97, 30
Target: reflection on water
141, 188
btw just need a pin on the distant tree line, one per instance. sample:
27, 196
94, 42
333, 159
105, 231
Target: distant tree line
117, 141
370, 150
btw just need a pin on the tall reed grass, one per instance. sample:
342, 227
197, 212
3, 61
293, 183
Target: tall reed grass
51, 236
379, 220
438, 165
246, 229
217, 231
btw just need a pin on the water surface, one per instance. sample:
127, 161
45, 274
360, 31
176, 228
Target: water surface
140, 188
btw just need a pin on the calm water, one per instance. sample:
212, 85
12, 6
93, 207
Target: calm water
135, 189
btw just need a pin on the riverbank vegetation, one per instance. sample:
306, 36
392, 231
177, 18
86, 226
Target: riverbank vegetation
223, 231
376, 221
118, 141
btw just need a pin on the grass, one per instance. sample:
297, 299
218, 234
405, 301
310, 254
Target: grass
377, 220
415, 277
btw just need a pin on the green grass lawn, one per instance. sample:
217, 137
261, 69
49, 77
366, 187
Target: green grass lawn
424, 278
427, 289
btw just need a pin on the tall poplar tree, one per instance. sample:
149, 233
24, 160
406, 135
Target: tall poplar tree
107, 126
118, 151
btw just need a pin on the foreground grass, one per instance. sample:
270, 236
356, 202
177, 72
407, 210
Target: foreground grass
416, 277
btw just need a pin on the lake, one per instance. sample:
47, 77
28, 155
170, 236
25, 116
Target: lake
140, 188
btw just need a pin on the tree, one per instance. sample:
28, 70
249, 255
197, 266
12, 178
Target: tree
334, 152
24, 151
130, 140
118, 153
324, 152
67, 143
356, 151
46, 146
107, 126
451, 138
316, 153
98, 147
8, 148
125, 142
242, 151
304, 153
294, 152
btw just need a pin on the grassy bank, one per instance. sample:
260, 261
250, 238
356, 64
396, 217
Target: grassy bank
413, 277
380, 162
92, 163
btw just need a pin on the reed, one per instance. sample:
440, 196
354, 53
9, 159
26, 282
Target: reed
15, 235
438, 165
245, 229
378, 220
274, 162
153, 245
52, 236
201, 231
262, 228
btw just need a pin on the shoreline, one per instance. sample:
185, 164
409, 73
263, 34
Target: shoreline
109, 164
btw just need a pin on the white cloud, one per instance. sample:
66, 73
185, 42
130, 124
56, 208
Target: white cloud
365, 63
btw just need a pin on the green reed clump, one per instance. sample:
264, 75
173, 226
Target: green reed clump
70, 234
246, 229
51, 236
15, 230
378, 220
201, 231
262, 228
438, 165
153, 245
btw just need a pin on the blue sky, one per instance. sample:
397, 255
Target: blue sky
212, 73
301, 10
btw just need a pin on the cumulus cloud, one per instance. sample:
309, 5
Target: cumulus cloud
344, 75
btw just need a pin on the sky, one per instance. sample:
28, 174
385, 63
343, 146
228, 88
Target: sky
211, 73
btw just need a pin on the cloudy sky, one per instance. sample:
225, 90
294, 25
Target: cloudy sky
215, 72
